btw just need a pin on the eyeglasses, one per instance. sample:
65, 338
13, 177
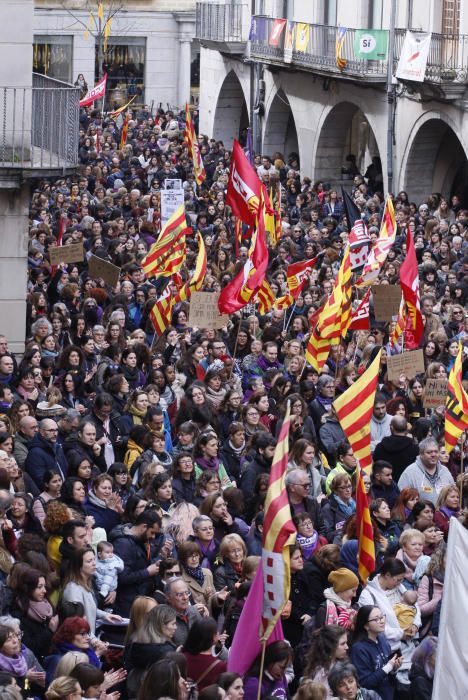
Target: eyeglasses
18, 635
175, 572
377, 619
345, 488
304, 486
182, 594
83, 634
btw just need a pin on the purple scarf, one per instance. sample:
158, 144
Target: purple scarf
208, 464
93, 659
17, 665
449, 512
208, 553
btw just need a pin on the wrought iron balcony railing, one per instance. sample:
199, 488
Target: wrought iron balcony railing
447, 60
39, 125
222, 23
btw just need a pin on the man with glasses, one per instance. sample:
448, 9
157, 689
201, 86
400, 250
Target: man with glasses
45, 454
298, 485
216, 350
178, 597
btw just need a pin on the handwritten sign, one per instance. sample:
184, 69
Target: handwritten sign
171, 200
387, 298
101, 269
408, 363
204, 312
66, 253
435, 393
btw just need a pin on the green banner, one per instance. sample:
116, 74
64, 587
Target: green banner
371, 44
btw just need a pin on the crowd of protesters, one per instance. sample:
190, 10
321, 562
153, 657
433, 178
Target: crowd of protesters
134, 468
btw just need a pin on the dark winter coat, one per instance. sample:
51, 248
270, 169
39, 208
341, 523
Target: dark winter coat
369, 658
134, 580
399, 450
334, 519
43, 456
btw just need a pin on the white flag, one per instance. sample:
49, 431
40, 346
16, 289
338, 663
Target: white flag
451, 674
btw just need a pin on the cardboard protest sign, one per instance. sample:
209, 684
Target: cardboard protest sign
66, 253
435, 393
204, 312
101, 269
408, 363
387, 298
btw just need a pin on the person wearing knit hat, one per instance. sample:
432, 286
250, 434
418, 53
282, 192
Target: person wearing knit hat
337, 608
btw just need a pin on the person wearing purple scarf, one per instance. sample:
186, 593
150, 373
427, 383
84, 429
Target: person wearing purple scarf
267, 360
203, 530
447, 507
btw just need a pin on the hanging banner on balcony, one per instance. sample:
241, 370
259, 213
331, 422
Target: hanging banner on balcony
95, 93
276, 32
302, 36
413, 57
371, 44
258, 29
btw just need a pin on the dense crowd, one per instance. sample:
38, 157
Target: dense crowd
134, 468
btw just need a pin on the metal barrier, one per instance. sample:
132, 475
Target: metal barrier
39, 126
220, 22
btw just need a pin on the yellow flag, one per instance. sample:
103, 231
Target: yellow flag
302, 36
107, 31
100, 11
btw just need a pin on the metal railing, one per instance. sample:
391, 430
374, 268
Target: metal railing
447, 60
39, 125
220, 22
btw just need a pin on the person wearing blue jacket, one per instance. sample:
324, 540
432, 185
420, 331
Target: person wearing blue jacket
371, 653
45, 454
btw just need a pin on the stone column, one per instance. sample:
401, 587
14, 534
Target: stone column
183, 81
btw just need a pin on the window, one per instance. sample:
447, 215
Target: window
124, 62
451, 17
52, 56
375, 14
330, 13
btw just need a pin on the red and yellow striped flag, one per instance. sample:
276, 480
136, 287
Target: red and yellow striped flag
161, 313
124, 134
400, 324
278, 534
334, 318
354, 411
195, 283
265, 298
365, 531
284, 302
167, 255
190, 139
456, 405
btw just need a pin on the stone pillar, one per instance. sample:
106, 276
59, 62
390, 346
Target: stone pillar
186, 25
14, 208
183, 82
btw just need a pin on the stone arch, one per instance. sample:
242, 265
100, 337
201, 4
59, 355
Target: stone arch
344, 130
231, 115
435, 161
280, 128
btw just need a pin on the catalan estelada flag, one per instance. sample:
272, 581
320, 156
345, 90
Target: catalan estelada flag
190, 139
340, 36
365, 531
456, 405
167, 255
278, 533
354, 412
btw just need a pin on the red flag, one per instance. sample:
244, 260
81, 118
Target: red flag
123, 136
360, 320
298, 274
409, 280
248, 281
244, 187
95, 93
276, 32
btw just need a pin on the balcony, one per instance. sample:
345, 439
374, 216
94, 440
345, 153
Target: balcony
446, 71
39, 128
223, 27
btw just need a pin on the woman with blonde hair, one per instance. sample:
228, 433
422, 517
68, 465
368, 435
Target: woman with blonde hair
68, 662
447, 507
233, 553
141, 606
64, 688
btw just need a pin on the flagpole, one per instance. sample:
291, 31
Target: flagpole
260, 675
290, 317
235, 348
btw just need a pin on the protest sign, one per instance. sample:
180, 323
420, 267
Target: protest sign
66, 253
435, 393
408, 363
204, 312
171, 200
387, 298
413, 57
101, 269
